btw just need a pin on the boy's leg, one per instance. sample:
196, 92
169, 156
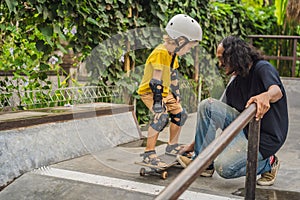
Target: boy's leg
152, 133
151, 139
178, 117
174, 133
158, 123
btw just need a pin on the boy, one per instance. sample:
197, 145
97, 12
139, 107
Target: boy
159, 89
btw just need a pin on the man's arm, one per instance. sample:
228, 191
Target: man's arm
274, 93
264, 99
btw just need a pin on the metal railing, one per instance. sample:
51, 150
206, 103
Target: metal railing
49, 98
202, 161
293, 58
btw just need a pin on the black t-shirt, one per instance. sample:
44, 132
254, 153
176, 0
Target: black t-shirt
274, 124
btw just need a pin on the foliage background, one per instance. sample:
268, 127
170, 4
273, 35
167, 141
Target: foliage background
36, 36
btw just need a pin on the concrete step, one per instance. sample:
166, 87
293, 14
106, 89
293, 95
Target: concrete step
29, 140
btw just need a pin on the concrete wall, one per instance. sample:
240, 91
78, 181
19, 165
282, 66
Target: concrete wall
26, 148
292, 88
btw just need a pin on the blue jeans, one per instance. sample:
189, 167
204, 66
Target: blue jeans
231, 163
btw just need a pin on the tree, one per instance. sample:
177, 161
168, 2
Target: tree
293, 11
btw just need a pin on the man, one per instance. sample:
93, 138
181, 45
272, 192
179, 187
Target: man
256, 81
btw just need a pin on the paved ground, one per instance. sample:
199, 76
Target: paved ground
111, 174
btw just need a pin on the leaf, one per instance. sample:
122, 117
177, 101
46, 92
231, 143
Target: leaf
11, 4
43, 76
44, 67
61, 48
92, 21
109, 1
280, 10
46, 30
162, 6
161, 16
45, 87
56, 29
39, 8
40, 46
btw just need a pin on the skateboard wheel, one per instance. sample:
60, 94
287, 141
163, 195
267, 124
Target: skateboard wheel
142, 171
164, 175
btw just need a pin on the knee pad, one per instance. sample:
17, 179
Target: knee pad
160, 123
180, 118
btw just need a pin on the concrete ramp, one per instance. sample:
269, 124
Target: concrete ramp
292, 88
52, 135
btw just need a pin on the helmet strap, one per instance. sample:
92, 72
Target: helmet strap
177, 49
172, 62
180, 46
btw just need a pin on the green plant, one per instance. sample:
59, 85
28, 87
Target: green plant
115, 37
28, 51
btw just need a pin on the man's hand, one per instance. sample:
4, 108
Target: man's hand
264, 99
262, 104
188, 148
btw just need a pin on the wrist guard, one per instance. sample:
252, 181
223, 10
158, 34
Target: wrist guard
175, 91
157, 89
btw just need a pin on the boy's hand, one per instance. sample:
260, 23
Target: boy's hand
178, 98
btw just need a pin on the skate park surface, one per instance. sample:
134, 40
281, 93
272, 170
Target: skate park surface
111, 172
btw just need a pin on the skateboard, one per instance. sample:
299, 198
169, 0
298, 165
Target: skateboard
155, 170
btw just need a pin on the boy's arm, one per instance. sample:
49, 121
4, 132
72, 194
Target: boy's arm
175, 85
157, 89
157, 74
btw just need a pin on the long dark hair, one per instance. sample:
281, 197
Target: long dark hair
239, 54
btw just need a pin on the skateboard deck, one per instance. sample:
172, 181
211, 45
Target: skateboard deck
156, 170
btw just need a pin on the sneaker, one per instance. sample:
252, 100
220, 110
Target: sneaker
185, 161
268, 178
208, 172
173, 149
151, 158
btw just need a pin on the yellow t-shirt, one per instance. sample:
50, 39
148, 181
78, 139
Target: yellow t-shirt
159, 59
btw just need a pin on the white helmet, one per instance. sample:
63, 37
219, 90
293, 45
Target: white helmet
183, 25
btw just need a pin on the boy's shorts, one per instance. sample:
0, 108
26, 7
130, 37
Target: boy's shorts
170, 102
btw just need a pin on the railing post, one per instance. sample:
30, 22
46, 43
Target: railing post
294, 57
253, 144
251, 41
202, 161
